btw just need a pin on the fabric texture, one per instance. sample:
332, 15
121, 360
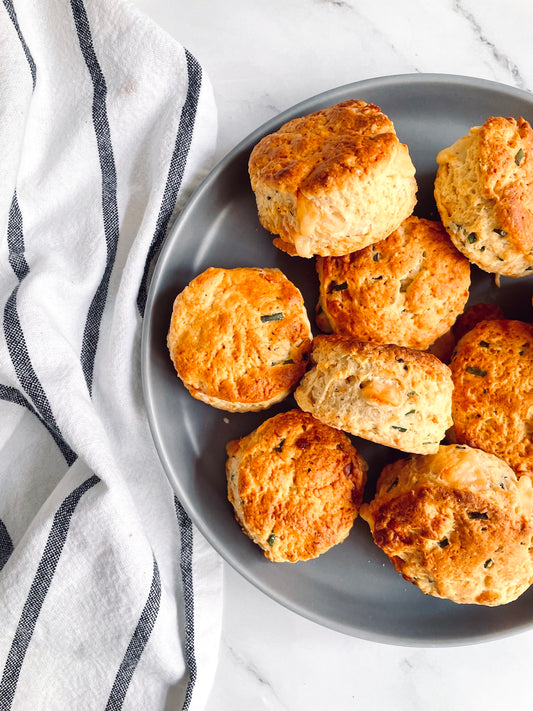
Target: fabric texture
109, 596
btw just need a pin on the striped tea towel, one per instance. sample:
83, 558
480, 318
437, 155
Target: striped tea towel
109, 597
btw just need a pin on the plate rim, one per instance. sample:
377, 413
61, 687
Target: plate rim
301, 107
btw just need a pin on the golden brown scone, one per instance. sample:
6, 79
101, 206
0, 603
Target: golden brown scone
408, 289
395, 396
458, 524
492, 371
484, 193
295, 485
333, 181
239, 338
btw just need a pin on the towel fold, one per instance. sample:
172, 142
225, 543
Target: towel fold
109, 596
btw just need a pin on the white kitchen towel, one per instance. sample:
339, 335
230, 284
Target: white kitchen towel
109, 596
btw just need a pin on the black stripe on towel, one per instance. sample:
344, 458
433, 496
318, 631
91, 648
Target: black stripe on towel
15, 240
137, 644
14, 335
175, 172
109, 189
12, 328
38, 590
13, 395
8, 4
186, 535
6, 544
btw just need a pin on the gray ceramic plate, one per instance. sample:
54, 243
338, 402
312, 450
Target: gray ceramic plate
352, 588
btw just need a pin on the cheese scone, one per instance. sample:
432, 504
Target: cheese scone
333, 181
408, 289
295, 485
492, 404
239, 338
483, 191
396, 396
457, 523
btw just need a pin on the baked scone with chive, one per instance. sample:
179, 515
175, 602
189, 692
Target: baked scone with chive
295, 485
408, 289
484, 194
239, 338
333, 181
396, 396
492, 404
457, 523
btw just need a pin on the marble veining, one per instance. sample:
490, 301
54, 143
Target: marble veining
246, 672
502, 59
337, 3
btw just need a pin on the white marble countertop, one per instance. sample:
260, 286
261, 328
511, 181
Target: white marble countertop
263, 56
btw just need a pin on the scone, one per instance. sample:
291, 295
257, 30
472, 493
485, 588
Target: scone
239, 338
483, 191
457, 523
492, 405
295, 485
391, 395
408, 289
333, 181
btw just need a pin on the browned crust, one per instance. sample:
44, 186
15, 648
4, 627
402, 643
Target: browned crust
492, 407
313, 152
505, 179
469, 541
413, 541
299, 482
407, 289
222, 349
424, 360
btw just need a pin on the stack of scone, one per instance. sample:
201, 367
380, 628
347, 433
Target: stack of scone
402, 362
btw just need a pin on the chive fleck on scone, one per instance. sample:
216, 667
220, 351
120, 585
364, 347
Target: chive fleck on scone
408, 289
239, 338
458, 524
391, 395
333, 181
492, 404
295, 485
484, 195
